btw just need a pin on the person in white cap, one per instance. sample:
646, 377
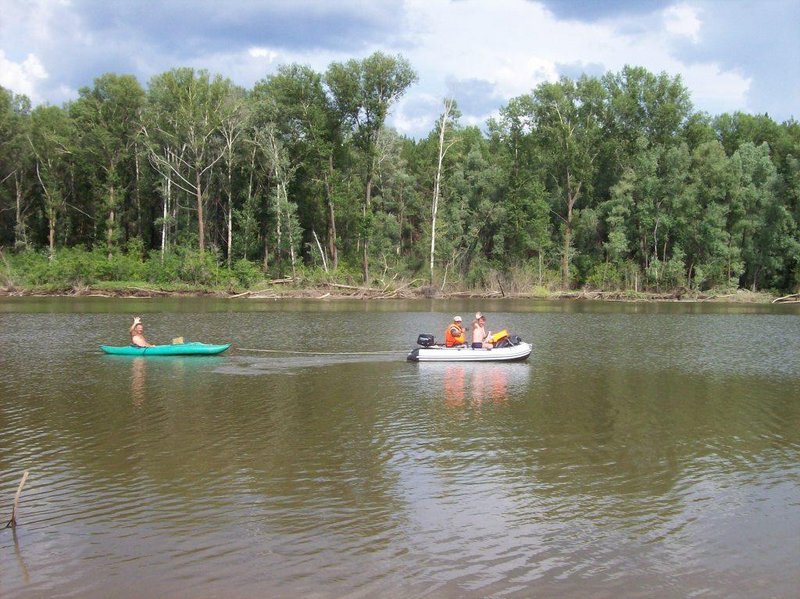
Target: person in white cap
455, 335
480, 336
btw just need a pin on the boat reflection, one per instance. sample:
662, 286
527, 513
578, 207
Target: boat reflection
478, 382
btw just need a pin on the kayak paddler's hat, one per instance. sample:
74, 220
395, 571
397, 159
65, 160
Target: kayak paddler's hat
456, 319
479, 315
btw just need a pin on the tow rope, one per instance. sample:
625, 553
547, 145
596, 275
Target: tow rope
322, 353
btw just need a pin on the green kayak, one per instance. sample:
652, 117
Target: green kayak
181, 349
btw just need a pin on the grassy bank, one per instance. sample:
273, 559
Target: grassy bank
77, 272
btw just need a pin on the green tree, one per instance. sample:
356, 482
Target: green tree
701, 218
568, 125
185, 143
234, 118
51, 139
16, 163
295, 102
108, 118
363, 91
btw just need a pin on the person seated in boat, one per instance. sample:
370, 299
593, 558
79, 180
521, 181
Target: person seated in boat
137, 333
481, 338
455, 335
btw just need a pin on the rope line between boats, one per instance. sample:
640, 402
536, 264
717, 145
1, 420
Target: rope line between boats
322, 353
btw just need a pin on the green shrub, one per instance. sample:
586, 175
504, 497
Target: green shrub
72, 267
246, 273
605, 276
162, 270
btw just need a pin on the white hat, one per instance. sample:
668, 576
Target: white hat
456, 319
478, 315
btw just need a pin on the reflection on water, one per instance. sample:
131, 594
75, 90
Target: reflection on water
138, 380
23, 567
479, 382
638, 452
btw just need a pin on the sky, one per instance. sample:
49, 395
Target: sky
732, 55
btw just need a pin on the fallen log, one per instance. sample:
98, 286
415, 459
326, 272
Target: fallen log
787, 299
354, 288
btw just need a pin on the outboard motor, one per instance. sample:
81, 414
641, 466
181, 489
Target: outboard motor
425, 340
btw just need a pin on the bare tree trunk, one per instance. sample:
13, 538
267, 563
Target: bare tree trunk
448, 107
565, 252
51, 212
110, 227
321, 251
230, 230
572, 198
331, 216
51, 233
138, 194
278, 233
229, 219
201, 231
20, 238
165, 216
289, 228
367, 208
541, 265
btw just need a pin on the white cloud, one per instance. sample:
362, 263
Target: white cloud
715, 90
22, 78
270, 55
493, 51
515, 45
684, 21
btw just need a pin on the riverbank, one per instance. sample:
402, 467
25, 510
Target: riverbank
287, 289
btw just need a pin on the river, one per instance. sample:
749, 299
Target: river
644, 450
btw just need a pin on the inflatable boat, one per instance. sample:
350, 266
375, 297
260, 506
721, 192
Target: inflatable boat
508, 348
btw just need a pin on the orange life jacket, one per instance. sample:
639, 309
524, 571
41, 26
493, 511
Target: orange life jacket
454, 335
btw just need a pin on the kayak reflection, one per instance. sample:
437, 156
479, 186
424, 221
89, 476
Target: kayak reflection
138, 382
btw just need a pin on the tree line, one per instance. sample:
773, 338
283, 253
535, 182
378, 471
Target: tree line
613, 182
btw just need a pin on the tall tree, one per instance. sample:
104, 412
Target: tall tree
449, 114
234, 118
363, 91
185, 142
16, 161
568, 121
108, 117
51, 139
286, 232
294, 101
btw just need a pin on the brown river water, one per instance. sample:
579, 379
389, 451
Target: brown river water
642, 451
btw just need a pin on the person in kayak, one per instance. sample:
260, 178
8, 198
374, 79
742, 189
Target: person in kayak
455, 335
137, 333
480, 336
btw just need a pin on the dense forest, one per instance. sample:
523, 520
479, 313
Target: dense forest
611, 182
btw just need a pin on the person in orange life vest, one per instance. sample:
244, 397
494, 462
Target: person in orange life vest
455, 334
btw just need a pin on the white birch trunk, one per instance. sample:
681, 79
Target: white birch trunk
448, 108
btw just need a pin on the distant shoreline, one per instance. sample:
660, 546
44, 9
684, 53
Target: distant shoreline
338, 292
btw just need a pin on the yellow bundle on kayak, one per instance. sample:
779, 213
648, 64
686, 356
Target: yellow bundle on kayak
498, 336
177, 341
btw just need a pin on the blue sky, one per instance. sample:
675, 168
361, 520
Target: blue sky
733, 55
